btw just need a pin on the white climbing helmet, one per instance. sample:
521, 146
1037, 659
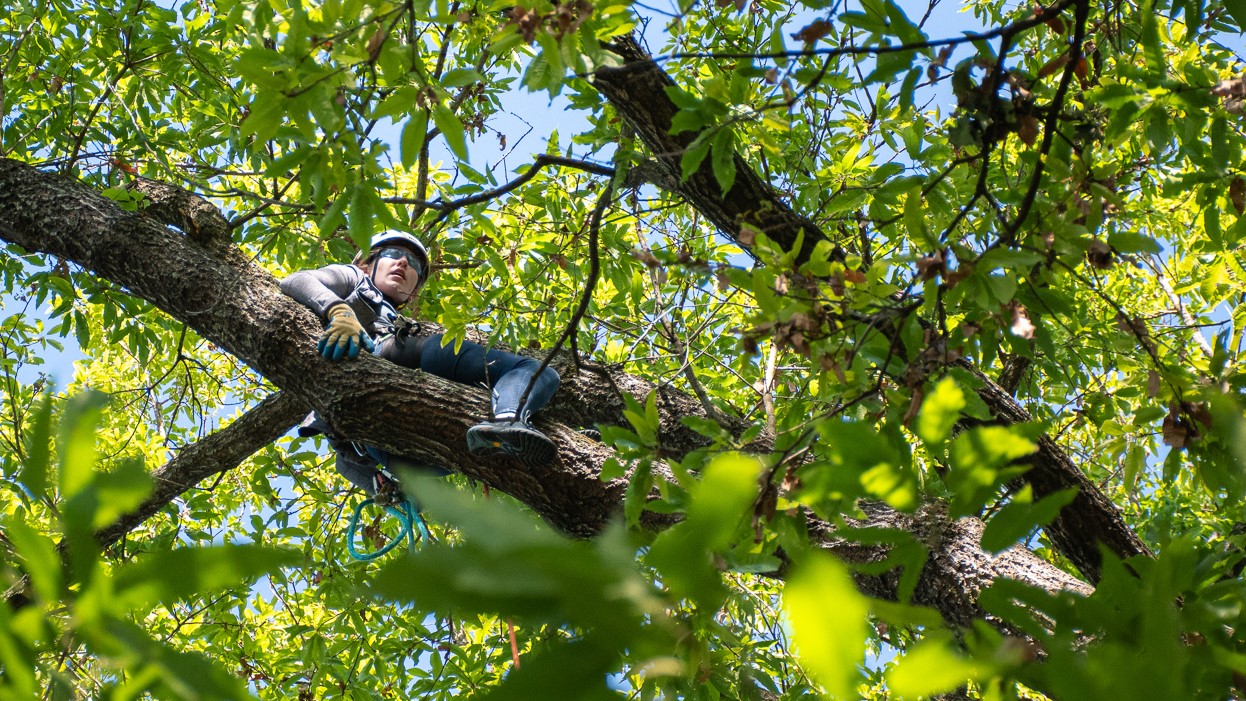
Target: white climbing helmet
402, 237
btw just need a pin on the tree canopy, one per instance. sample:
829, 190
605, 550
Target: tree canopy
914, 339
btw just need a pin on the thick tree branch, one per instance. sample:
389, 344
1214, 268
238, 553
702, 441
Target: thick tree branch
637, 90
238, 306
195, 216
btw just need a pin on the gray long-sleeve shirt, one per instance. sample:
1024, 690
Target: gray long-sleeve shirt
323, 288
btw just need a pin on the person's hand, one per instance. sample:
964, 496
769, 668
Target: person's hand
344, 335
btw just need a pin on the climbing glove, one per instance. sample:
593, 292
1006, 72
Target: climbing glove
344, 335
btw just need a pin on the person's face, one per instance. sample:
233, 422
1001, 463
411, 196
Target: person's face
393, 274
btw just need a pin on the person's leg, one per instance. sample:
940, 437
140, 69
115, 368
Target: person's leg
406, 351
354, 462
510, 387
507, 375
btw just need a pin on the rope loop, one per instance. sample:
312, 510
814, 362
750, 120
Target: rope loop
412, 528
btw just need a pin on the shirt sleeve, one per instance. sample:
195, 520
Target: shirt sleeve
322, 288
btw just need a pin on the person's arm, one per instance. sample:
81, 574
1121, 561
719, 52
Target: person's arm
322, 288
324, 291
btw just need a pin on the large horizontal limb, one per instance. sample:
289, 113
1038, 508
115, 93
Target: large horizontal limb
238, 306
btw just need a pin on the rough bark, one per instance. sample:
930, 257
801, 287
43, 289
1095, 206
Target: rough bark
1090, 518
637, 90
957, 570
238, 306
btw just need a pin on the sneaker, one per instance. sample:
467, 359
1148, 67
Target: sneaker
516, 439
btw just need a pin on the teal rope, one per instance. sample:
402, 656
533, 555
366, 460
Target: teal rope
409, 518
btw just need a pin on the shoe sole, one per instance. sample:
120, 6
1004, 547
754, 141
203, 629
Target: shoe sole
528, 447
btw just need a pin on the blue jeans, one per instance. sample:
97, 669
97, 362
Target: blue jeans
506, 374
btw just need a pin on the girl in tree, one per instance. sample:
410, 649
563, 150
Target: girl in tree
360, 303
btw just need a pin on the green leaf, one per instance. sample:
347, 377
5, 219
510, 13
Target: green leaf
688, 120
268, 110
76, 443
719, 505
412, 140
359, 222
1220, 140
1151, 50
507, 561
638, 487
890, 64
642, 418
452, 129
506, 41
908, 90
168, 576
894, 486
706, 427
551, 53
332, 218
173, 673
728, 486
564, 670
38, 557
264, 67
1158, 131
1019, 517
901, 26
683, 99
941, 409
694, 155
915, 218
120, 491
458, 77
82, 330
17, 659
857, 457
652, 418
34, 474
1236, 10
400, 102
287, 163
1133, 242
1024, 605
861, 20
829, 623
932, 667
982, 460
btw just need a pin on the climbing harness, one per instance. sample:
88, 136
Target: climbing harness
412, 526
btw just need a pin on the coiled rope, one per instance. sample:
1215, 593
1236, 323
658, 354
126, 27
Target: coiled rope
412, 528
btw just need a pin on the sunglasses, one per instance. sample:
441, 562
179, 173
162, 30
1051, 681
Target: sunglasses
413, 260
